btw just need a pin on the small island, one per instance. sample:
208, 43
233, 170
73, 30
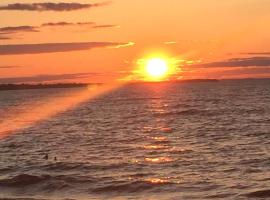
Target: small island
24, 86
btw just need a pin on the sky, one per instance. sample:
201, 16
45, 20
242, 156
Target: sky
103, 41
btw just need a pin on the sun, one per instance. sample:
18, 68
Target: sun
157, 68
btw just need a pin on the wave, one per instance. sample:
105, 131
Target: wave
184, 112
259, 194
23, 180
63, 166
19, 198
48, 182
131, 187
132, 99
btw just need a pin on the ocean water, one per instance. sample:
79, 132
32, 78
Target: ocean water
140, 141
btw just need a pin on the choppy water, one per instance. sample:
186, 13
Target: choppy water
144, 141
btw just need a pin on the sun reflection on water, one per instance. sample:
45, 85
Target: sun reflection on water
155, 147
160, 138
156, 180
159, 160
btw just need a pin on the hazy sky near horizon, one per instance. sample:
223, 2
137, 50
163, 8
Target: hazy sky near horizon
101, 41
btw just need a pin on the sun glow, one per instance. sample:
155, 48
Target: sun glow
157, 68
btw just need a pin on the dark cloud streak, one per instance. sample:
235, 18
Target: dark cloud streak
51, 6
238, 62
257, 53
105, 26
5, 38
17, 49
9, 67
6, 31
68, 24
13, 29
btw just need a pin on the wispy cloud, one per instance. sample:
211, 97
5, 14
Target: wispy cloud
51, 6
15, 49
170, 42
14, 29
80, 24
238, 62
47, 77
9, 67
123, 45
7, 31
243, 72
5, 38
68, 24
105, 26
256, 53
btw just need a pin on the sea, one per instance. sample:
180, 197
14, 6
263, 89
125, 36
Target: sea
153, 141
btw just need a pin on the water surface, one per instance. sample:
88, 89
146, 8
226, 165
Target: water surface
142, 141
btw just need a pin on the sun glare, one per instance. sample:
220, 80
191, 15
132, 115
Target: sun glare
157, 68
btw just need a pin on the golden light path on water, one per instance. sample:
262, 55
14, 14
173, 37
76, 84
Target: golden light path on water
28, 115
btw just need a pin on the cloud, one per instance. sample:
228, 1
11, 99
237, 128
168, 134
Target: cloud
51, 6
6, 31
243, 72
15, 49
256, 53
57, 24
123, 45
5, 38
170, 42
248, 70
238, 62
14, 29
91, 24
18, 28
105, 26
68, 24
44, 78
9, 67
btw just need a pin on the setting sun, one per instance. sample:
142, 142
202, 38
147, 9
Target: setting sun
157, 67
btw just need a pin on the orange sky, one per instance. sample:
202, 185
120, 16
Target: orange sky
226, 39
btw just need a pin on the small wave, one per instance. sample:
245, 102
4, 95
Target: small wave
219, 196
46, 182
62, 166
184, 112
132, 187
134, 99
18, 198
23, 180
259, 194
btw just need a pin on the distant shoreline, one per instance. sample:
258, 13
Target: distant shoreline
26, 86
42, 86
